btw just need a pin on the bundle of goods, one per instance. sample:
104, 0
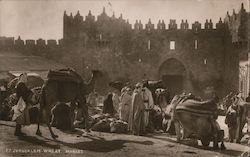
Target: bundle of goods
106, 123
118, 126
64, 75
102, 125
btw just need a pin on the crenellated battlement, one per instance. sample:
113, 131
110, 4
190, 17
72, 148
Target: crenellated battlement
6, 41
40, 42
79, 21
11, 42
104, 29
238, 24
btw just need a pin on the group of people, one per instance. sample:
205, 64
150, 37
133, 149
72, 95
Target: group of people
132, 106
237, 114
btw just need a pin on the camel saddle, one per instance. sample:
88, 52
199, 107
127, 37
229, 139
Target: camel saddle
64, 75
198, 107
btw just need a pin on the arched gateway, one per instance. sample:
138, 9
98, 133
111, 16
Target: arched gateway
173, 74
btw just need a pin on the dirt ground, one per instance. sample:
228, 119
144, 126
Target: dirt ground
102, 144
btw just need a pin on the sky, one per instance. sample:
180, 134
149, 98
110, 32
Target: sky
34, 19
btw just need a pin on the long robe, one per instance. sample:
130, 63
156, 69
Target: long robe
21, 113
148, 103
231, 121
125, 105
136, 118
92, 99
241, 106
116, 101
21, 109
108, 106
248, 117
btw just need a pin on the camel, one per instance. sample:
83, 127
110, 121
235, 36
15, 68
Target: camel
163, 101
54, 91
196, 117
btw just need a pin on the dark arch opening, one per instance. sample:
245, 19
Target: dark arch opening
173, 75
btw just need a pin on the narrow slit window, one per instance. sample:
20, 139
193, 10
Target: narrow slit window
196, 44
149, 45
205, 61
172, 45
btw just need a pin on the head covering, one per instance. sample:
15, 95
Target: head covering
109, 96
138, 85
123, 89
23, 78
128, 89
239, 95
145, 83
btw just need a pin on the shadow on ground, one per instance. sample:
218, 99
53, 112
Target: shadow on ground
102, 145
96, 144
226, 152
40, 142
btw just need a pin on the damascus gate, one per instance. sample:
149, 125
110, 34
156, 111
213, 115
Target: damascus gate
188, 57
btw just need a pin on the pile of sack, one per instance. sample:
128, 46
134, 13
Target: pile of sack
105, 123
111, 125
118, 126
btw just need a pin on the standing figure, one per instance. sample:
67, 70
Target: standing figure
116, 101
248, 97
136, 118
248, 121
21, 112
92, 99
247, 110
108, 105
125, 104
231, 121
240, 103
148, 103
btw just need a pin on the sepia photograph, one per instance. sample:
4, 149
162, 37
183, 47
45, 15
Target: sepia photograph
127, 78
